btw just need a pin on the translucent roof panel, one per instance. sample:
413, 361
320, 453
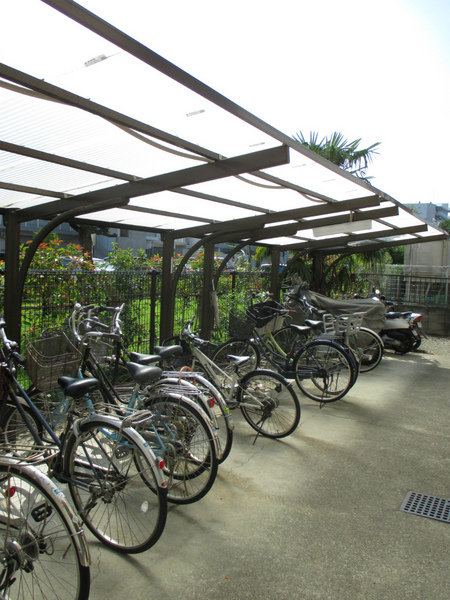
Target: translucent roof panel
87, 113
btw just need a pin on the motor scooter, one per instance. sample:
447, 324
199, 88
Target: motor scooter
402, 330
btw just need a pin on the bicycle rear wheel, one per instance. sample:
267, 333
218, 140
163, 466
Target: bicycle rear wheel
269, 403
371, 347
114, 485
184, 439
202, 392
39, 540
324, 371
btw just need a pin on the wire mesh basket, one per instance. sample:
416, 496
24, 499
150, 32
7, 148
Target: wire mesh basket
240, 326
50, 358
267, 316
102, 350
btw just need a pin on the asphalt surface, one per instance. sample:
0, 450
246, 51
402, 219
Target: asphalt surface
314, 516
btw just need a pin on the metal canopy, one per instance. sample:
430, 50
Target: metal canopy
127, 124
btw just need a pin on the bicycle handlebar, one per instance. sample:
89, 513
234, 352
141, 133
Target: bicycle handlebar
10, 345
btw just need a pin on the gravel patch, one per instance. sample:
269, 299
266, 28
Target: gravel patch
433, 345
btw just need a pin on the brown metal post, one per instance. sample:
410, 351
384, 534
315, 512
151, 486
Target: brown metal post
275, 273
206, 315
167, 298
13, 300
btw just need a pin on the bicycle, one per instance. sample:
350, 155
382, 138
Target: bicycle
111, 356
267, 400
323, 370
366, 344
115, 480
43, 551
179, 431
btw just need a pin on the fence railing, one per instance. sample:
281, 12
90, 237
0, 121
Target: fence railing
49, 297
412, 289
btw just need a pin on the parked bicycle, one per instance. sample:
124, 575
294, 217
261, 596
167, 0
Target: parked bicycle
179, 430
323, 370
43, 551
111, 356
266, 399
365, 343
115, 480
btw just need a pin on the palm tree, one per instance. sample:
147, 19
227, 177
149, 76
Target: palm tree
340, 151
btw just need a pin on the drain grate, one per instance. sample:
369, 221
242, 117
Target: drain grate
424, 505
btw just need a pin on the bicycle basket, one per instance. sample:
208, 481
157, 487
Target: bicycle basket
240, 326
50, 358
267, 316
101, 350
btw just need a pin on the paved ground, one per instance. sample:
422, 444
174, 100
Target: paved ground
316, 516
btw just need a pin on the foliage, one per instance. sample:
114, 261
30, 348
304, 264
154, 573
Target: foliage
445, 225
340, 151
51, 255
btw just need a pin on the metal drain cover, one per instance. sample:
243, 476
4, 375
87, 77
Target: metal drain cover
424, 505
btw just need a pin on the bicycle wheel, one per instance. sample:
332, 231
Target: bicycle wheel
371, 346
16, 435
236, 348
323, 371
202, 392
182, 436
114, 485
288, 340
269, 403
43, 553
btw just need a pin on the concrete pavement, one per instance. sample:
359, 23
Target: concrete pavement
315, 516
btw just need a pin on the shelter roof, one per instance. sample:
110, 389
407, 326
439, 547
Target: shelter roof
106, 126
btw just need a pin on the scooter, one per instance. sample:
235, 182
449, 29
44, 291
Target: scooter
402, 331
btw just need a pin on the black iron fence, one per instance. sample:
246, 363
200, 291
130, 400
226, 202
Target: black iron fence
49, 297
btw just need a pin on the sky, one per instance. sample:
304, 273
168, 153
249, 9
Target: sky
378, 70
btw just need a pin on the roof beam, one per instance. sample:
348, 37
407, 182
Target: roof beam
143, 53
376, 245
339, 244
246, 163
286, 215
66, 162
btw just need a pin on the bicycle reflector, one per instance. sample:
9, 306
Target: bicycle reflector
160, 463
10, 491
211, 402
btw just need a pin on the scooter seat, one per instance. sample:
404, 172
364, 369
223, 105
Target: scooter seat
397, 315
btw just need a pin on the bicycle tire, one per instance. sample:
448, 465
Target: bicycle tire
324, 371
16, 435
372, 347
125, 507
188, 448
236, 347
289, 340
40, 539
204, 394
269, 403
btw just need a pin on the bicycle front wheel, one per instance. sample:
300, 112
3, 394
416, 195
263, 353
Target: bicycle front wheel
114, 486
269, 403
324, 371
236, 348
39, 540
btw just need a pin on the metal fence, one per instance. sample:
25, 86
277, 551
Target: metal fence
49, 297
409, 289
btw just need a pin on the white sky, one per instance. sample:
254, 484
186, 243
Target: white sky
372, 69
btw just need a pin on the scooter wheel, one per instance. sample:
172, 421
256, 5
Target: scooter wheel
406, 344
